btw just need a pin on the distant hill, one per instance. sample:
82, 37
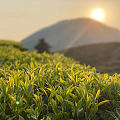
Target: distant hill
73, 33
105, 57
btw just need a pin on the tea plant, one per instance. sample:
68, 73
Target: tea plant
52, 87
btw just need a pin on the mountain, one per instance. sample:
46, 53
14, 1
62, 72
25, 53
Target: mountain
73, 33
105, 56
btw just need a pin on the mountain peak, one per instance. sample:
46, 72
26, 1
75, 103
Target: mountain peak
73, 33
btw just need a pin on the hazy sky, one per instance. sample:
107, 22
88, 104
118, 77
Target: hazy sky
20, 18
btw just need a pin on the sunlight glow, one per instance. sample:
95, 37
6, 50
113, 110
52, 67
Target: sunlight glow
98, 14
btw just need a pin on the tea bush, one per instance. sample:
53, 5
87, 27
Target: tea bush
14, 44
52, 87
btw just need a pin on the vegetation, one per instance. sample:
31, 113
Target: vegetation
52, 87
42, 46
104, 56
13, 44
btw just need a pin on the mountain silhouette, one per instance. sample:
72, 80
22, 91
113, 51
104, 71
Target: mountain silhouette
72, 33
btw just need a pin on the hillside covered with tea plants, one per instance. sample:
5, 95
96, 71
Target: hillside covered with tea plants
53, 87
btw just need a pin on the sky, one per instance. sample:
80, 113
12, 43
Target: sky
20, 18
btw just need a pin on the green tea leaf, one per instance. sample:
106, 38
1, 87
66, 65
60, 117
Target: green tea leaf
59, 98
97, 94
105, 101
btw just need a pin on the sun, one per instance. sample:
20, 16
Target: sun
98, 15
